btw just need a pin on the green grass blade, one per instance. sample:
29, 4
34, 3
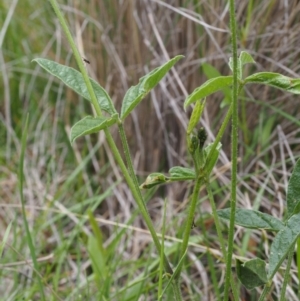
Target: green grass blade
28, 235
176, 272
5, 237
162, 251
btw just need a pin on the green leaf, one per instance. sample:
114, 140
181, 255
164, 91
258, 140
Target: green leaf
252, 219
246, 58
179, 173
252, 273
74, 80
154, 179
282, 244
209, 87
211, 72
275, 80
136, 93
5, 238
196, 114
214, 158
89, 125
98, 259
293, 191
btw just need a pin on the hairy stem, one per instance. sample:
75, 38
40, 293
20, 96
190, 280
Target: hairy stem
234, 148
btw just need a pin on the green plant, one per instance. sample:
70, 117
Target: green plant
204, 157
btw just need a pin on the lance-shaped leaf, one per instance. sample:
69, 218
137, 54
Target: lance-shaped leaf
90, 125
154, 179
275, 80
196, 114
282, 244
136, 93
293, 191
212, 72
178, 173
209, 87
252, 273
252, 219
209, 165
74, 80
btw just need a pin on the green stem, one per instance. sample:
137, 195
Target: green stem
77, 56
213, 276
190, 219
287, 274
220, 236
220, 134
111, 143
176, 291
216, 218
136, 196
298, 265
128, 160
234, 148
161, 262
137, 190
265, 292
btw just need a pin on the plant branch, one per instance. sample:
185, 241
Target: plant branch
109, 138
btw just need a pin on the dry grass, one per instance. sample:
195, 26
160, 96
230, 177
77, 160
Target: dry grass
123, 40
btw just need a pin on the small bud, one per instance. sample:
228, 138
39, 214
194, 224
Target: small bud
202, 136
194, 144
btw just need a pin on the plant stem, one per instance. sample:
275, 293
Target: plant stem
161, 263
77, 56
142, 202
287, 273
265, 292
129, 161
111, 143
176, 291
220, 237
234, 148
216, 218
190, 219
298, 265
220, 134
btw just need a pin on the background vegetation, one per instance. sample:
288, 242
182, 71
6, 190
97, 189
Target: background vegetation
123, 40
